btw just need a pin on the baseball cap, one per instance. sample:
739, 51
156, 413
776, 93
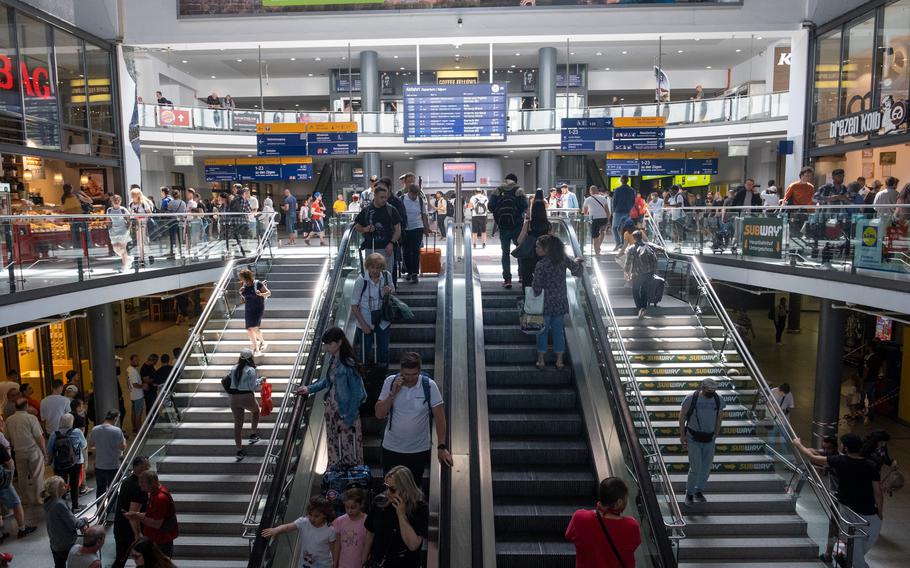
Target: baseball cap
406, 174
246, 353
709, 384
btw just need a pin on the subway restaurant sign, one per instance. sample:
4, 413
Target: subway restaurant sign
763, 237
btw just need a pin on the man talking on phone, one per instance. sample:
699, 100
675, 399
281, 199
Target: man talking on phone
409, 399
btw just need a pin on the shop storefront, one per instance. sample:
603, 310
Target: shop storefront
47, 351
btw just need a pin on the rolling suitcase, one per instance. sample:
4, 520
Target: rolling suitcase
339, 478
430, 259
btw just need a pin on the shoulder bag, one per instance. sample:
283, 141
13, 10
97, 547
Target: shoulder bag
603, 527
530, 317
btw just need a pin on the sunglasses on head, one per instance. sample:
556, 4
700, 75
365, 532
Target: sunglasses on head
390, 488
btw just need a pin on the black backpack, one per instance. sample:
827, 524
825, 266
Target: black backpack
507, 212
64, 450
450, 209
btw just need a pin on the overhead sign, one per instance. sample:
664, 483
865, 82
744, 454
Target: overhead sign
763, 236
98, 90
622, 164
889, 118
603, 134
458, 77
332, 143
303, 139
220, 173
298, 168
441, 113
702, 163
662, 163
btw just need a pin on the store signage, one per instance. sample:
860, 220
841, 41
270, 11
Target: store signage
763, 236
868, 252
439, 113
246, 119
458, 77
98, 91
173, 117
35, 82
782, 63
889, 118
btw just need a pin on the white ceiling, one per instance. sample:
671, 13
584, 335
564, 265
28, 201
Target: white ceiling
640, 55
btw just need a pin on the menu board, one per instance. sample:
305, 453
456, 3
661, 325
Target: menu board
443, 113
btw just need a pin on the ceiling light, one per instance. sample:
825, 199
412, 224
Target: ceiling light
317, 59
624, 52
458, 67
680, 51
309, 74
213, 77
457, 55
249, 155
767, 141
517, 55
296, 105
708, 67
606, 68
738, 50
571, 53
293, 59
759, 37
505, 157
511, 151
240, 61
402, 68
343, 57
155, 151
599, 53
394, 57
411, 158
513, 66
698, 39
184, 61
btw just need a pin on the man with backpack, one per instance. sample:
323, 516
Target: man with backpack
508, 208
64, 450
700, 418
641, 263
409, 399
479, 206
623, 202
380, 225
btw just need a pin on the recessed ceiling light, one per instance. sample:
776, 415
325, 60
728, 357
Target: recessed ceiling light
698, 39
599, 53
767, 141
738, 50
213, 77
458, 67
343, 57
517, 55
708, 67
571, 53
624, 52
458, 152
511, 151
513, 66
606, 68
309, 74
680, 51
505, 157
296, 105
156, 151
402, 68
457, 55
293, 59
317, 59
184, 61
249, 155
240, 61
759, 37
411, 158
394, 57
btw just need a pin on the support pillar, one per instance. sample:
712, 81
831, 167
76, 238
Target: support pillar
369, 90
546, 77
796, 116
371, 167
546, 171
795, 303
104, 377
828, 371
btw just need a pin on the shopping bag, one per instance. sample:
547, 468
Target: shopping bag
265, 398
531, 318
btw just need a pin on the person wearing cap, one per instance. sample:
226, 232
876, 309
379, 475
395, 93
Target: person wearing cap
700, 418
770, 196
109, 442
354, 206
417, 226
834, 192
366, 196
243, 385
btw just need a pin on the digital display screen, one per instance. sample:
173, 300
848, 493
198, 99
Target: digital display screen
468, 171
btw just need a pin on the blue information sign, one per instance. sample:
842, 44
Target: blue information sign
281, 144
587, 123
702, 167
297, 172
622, 167
638, 144
586, 135
220, 173
332, 143
577, 134
455, 112
267, 171
639, 134
246, 173
663, 167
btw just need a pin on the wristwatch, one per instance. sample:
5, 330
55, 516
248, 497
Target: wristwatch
442, 447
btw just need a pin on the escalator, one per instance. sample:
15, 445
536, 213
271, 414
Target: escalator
595, 174
296, 461
761, 489
547, 437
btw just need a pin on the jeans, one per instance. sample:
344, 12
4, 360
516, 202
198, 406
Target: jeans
641, 289
413, 238
701, 458
779, 325
60, 557
618, 218
103, 479
862, 545
506, 238
417, 463
556, 325
382, 345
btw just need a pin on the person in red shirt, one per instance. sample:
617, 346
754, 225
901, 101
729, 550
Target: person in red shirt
604, 538
29, 393
159, 521
800, 192
317, 216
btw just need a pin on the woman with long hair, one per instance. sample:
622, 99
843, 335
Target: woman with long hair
145, 553
344, 394
119, 231
243, 385
140, 208
398, 522
550, 279
254, 292
535, 225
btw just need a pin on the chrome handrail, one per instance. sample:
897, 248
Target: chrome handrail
270, 455
102, 503
655, 458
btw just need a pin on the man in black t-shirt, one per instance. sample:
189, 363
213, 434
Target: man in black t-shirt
130, 498
147, 373
380, 226
859, 488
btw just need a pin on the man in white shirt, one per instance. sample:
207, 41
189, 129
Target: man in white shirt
597, 207
479, 207
418, 225
27, 439
887, 196
409, 399
137, 393
783, 397
54, 406
770, 196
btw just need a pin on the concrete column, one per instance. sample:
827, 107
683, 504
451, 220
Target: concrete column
799, 71
546, 170
828, 371
369, 91
104, 377
127, 76
371, 166
795, 303
546, 77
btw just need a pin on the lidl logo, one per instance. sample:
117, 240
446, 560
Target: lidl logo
870, 236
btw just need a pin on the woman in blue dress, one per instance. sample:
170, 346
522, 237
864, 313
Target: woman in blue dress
254, 292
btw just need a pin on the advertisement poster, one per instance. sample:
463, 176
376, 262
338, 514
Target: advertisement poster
882, 328
173, 117
246, 119
869, 246
763, 237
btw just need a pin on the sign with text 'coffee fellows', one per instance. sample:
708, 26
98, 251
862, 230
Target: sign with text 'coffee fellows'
763, 236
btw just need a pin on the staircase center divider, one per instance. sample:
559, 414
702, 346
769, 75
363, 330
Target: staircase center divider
164, 407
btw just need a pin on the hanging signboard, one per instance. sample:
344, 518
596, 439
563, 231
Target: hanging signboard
622, 164
763, 237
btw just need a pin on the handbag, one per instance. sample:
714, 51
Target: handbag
527, 248
530, 319
603, 527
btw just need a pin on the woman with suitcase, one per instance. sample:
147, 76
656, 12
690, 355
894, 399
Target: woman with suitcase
344, 394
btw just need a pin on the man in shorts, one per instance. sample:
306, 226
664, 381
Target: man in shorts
597, 207
479, 205
10, 499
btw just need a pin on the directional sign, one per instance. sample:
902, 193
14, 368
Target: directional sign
639, 144
297, 172
622, 164
650, 167
332, 143
220, 173
702, 167
639, 133
281, 144
587, 123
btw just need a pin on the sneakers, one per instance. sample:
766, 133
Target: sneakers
263, 346
641, 314
484, 245
507, 283
700, 497
240, 455
690, 500
254, 438
85, 490
24, 532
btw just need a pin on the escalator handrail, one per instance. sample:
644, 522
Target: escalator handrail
96, 511
624, 420
834, 509
294, 430
270, 455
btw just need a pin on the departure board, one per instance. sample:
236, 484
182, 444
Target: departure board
444, 113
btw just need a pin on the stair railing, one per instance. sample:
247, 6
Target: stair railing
649, 471
165, 406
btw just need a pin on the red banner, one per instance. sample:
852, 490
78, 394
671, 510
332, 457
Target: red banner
173, 117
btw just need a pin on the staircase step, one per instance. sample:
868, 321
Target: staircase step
534, 553
727, 482
728, 427
723, 463
739, 503
724, 445
743, 548
527, 452
679, 356
744, 525
536, 424
671, 412
676, 397
512, 399
211, 503
209, 430
208, 447
203, 481
530, 515
518, 375
202, 546
215, 464
562, 482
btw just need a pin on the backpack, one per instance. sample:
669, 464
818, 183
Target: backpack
64, 450
507, 213
480, 207
691, 411
450, 209
644, 258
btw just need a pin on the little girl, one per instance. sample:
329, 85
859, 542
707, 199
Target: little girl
348, 547
316, 536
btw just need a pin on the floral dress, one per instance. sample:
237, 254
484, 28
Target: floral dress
345, 444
